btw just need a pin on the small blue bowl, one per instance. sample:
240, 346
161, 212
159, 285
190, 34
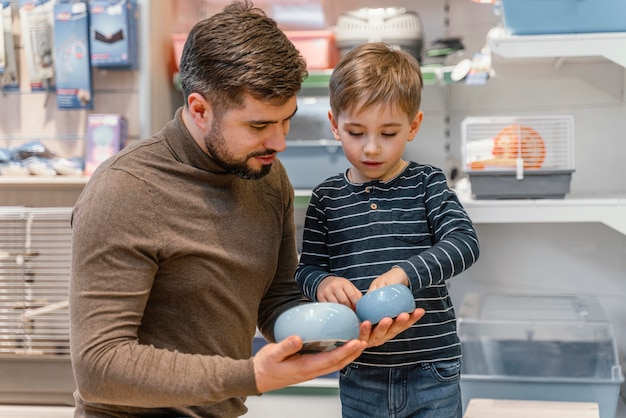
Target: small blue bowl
388, 301
322, 326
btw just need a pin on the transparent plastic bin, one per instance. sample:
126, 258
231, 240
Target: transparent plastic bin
312, 154
538, 347
308, 163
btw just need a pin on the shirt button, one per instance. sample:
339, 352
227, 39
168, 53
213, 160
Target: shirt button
368, 189
374, 206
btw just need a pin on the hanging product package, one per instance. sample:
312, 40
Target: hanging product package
2, 47
72, 62
37, 35
8, 77
113, 33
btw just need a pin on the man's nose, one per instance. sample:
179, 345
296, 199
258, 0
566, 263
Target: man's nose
277, 139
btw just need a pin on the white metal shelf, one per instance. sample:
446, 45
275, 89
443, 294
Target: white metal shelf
608, 211
610, 45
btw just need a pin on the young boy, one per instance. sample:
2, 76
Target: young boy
386, 221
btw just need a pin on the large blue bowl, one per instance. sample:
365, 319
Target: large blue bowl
388, 301
322, 325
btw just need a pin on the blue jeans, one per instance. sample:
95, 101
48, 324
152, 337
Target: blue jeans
429, 390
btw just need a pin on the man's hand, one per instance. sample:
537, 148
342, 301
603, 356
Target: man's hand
279, 365
388, 328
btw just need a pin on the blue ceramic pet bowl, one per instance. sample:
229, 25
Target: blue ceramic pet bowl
388, 301
322, 325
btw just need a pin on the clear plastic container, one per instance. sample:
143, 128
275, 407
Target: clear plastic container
538, 347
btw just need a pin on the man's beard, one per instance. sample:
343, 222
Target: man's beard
216, 144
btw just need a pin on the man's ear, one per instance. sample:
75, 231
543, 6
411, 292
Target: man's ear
334, 127
200, 111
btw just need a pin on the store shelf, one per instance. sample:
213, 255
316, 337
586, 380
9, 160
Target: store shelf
40, 191
610, 212
431, 74
37, 181
610, 45
318, 79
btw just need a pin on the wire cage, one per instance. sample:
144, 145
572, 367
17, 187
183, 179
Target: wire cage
34, 278
518, 157
34, 317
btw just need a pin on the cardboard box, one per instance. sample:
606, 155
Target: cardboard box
500, 408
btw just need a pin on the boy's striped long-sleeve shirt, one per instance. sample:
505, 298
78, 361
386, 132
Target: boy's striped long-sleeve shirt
414, 221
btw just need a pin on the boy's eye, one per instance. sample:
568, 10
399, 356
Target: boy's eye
352, 133
389, 134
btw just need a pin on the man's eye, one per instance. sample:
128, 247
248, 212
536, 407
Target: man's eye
258, 127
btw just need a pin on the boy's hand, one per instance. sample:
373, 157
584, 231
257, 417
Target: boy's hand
394, 276
338, 290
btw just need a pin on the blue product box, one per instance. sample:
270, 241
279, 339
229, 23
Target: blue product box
113, 34
106, 135
534, 17
72, 62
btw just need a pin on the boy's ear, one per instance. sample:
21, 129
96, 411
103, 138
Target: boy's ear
415, 125
334, 127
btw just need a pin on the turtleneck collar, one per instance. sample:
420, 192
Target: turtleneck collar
185, 147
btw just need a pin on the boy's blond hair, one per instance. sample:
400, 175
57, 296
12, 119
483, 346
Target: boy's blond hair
374, 74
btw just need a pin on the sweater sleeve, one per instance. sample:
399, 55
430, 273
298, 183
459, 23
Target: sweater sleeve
455, 244
115, 251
